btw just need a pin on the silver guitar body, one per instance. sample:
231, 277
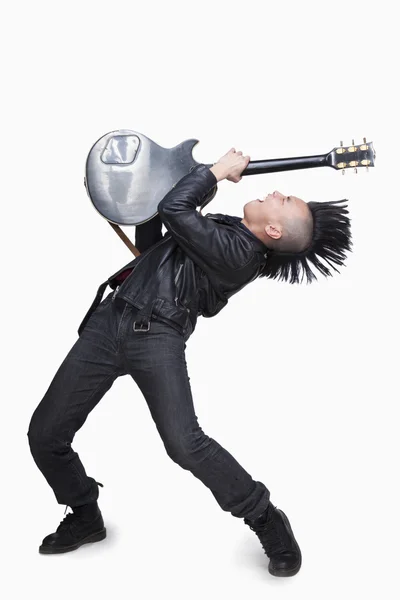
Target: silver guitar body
127, 174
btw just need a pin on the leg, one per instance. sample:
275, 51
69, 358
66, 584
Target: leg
156, 361
87, 372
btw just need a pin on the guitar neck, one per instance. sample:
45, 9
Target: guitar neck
285, 164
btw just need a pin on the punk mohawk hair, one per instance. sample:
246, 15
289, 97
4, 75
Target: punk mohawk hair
330, 239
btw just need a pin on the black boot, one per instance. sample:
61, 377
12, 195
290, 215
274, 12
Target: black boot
273, 530
82, 526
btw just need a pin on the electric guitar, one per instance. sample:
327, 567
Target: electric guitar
127, 174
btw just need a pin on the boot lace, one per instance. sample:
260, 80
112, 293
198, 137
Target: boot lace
67, 522
71, 518
269, 536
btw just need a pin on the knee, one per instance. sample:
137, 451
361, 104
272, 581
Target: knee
43, 439
188, 448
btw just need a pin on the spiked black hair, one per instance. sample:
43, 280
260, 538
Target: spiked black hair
331, 237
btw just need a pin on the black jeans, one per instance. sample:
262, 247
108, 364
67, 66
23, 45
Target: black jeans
107, 348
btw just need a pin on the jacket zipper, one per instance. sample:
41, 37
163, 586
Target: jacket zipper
115, 292
176, 281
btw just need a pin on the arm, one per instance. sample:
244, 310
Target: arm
148, 233
207, 242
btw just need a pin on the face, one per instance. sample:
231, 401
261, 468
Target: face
272, 210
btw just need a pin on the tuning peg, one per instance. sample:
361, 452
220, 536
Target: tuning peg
366, 168
352, 148
355, 170
340, 150
365, 140
343, 171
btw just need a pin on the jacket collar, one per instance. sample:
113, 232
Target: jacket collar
234, 220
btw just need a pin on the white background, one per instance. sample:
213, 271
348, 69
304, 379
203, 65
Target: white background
298, 383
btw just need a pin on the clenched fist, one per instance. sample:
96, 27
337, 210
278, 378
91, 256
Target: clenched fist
230, 166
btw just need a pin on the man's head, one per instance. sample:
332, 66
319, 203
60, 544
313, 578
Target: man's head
295, 232
281, 222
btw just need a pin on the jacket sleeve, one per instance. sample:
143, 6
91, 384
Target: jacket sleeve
148, 233
208, 243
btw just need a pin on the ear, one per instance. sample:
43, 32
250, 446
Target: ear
273, 231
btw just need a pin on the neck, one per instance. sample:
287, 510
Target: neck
255, 167
257, 233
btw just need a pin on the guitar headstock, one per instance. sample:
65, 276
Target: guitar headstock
352, 157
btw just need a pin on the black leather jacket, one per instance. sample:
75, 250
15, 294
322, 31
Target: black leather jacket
199, 263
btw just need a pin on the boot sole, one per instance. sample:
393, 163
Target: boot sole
296, 568
93, 537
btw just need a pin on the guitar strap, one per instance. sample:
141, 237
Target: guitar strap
93, 306
125, 239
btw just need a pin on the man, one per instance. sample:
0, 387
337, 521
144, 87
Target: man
142, 327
